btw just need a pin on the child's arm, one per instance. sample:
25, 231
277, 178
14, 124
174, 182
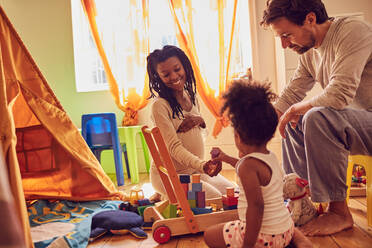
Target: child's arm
248, 172
221, 156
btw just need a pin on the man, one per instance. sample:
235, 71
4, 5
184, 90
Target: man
320, 133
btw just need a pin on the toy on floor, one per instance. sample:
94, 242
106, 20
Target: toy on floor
301, 208
177, 188
359, 176
138, 207
116, 222
230, 200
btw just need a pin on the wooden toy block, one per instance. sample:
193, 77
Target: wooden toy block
200, 199
196, 187
230, 192
170, 211
191, 195
230, 201
144, 202
185, 187
225, 207
192, 203
185, 178
201, 210
196, 178
141, 209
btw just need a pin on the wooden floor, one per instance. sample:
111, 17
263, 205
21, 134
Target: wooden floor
360, 236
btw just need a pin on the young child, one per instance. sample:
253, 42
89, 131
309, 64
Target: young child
264, 220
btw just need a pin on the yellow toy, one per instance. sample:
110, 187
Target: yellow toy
135, 195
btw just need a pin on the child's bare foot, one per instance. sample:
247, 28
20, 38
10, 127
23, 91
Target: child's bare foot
300, 241
337, 219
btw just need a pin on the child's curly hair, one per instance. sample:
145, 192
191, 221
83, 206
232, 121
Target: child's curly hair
248, 105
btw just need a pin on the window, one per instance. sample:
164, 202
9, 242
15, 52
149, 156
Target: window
89, 71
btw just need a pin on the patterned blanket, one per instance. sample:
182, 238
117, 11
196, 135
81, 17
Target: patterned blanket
64, 223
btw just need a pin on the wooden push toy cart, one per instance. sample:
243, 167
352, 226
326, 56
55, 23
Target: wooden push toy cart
163, 229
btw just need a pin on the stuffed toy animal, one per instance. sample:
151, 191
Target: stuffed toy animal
296, 190
116, 222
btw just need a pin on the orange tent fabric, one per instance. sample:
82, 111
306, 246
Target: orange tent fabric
45, 155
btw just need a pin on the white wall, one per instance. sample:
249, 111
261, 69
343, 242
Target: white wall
287, 59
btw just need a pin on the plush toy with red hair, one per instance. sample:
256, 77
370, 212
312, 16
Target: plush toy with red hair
296, 190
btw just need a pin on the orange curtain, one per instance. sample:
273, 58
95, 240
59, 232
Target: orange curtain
218, 30
128, 68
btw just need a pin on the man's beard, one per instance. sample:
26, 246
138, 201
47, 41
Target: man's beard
305, 48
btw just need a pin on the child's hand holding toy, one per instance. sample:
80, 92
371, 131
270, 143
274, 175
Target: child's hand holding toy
214, 166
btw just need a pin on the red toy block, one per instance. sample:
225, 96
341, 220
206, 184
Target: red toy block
200, 196
230, 201
185, 187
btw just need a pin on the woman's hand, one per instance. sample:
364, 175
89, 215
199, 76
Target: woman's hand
189, 122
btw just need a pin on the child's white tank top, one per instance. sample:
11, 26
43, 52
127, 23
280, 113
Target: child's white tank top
276, 217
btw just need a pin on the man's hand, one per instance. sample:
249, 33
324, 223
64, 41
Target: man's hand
292, 115
190, 122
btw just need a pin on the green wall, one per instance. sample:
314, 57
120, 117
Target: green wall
45, 28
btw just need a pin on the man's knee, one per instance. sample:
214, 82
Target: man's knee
314, 120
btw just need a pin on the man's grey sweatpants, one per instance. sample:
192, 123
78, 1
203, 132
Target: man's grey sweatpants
318, 148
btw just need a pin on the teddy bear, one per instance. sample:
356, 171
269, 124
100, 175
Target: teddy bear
301, 208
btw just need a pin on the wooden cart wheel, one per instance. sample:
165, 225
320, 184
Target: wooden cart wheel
162, 234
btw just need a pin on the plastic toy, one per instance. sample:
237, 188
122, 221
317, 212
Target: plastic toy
301, 208
163, 229
135, 195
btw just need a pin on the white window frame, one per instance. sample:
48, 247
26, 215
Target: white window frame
91, 77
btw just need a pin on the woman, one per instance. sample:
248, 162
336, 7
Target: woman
175, 111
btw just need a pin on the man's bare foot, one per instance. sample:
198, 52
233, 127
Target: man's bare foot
337, 219
300, 241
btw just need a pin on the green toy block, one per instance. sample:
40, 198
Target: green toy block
170, 211
141, 209
192, 203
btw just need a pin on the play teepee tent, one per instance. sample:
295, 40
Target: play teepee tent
44, 155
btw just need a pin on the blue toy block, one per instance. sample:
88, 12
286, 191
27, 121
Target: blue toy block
144, 202
202, 210
191, 195
184, 178
226, 207
196, 187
